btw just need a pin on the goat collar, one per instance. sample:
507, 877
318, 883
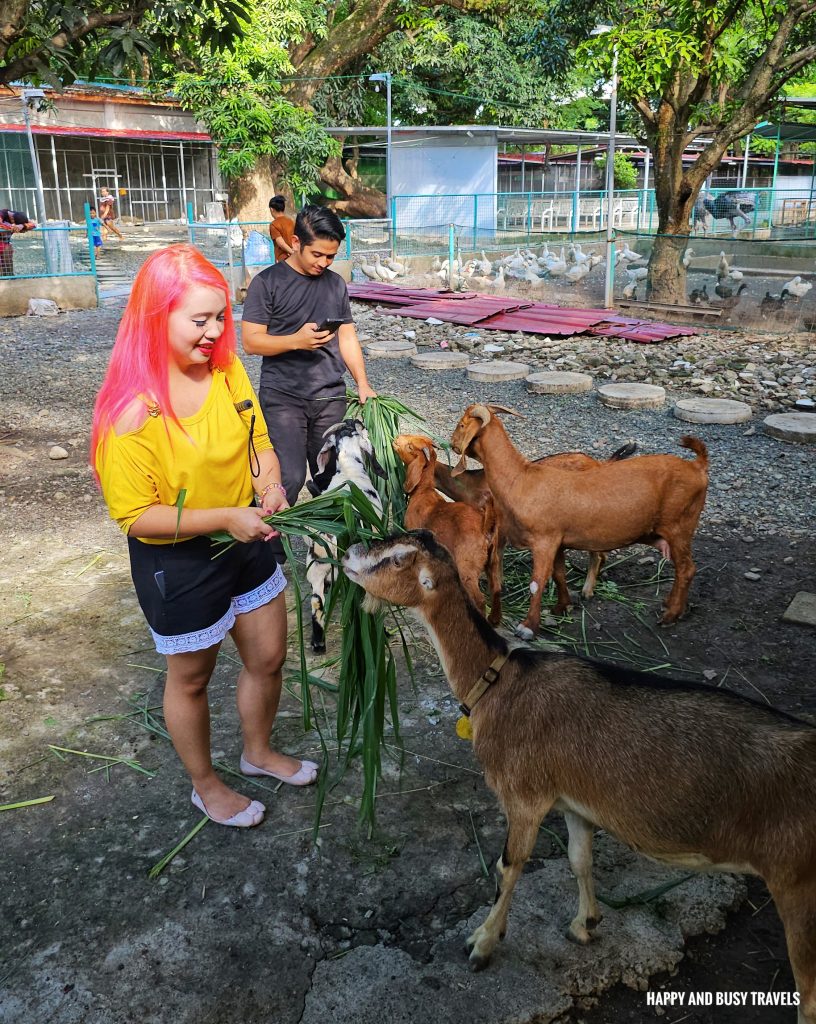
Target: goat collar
483, 684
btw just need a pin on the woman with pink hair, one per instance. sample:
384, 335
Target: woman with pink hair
178, 456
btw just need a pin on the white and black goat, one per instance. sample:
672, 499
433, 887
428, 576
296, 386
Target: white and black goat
694, 777
345, 458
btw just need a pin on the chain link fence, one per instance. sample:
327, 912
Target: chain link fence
57, 250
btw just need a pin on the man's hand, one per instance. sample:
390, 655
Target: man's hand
365, 391
309, 338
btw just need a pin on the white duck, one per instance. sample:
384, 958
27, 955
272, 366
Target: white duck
485, 266
628, 255
722, 267
369, 270
399, 268
498, 282
687, 257
384, 274
630, 291
797, 287
577, 272
636, 274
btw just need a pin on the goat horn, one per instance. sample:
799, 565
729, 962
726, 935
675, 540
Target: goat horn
481, 413
332, 428
507, 409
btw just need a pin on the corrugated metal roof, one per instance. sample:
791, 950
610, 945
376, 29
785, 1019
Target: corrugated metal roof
110, 133
492, 312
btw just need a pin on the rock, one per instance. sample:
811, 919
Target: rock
709, 674
493, 348
792, 426
491, 372
42, 307
712, 410
390, 349
441, 360
802, 609
752, 576
632, 396
57, 453
558, 383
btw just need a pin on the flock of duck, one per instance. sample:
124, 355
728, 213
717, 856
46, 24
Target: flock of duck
572, 264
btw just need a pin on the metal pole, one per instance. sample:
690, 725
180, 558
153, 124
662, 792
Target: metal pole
646, 166
576, 195
35, 166
745, 161
388, 142
610, 184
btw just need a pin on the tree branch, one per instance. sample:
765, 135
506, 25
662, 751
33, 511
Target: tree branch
67, 35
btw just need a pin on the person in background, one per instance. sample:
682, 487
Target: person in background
302, 390
107, 213
12, 222
96, 229
179, 455
281, 229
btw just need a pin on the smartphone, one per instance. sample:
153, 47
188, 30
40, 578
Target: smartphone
330, 325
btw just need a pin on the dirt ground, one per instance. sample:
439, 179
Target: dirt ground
234, 929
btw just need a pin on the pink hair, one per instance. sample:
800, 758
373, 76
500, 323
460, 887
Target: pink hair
138, 363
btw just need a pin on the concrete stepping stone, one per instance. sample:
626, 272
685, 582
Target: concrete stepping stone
792, 426
554, 382
390, 349
712, 410
491, 372
802, 609
441, 360
632, 396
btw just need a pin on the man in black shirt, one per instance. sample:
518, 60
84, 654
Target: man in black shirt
302, 391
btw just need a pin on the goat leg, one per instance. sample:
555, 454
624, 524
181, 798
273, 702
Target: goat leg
579, 851
542, 571
796, 906
522, 831
684, 570
597, 560
564, 598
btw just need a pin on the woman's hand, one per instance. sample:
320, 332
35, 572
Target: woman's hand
274, 501
247, 524
365, 391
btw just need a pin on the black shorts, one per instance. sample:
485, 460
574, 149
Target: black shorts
190, 599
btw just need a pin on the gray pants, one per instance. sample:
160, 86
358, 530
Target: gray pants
296, 427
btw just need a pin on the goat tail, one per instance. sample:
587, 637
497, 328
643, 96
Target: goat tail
697, 446
625, 452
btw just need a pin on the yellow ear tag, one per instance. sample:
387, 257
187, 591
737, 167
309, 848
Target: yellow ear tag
464, 730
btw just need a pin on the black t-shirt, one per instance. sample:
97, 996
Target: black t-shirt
284, 301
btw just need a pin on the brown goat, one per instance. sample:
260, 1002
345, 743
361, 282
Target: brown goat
688, 775
470, 534
545, 509
471, 487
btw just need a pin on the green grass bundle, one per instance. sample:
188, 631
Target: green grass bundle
366, 715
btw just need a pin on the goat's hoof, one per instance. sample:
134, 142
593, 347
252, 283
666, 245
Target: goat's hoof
319, 648
478, 962
562, 609
580, 936
593, 922
524, 632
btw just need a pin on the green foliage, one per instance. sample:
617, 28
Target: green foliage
54, 43
239, 97
623, 169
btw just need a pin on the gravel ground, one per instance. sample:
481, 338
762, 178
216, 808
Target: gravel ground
77, 648
759, 485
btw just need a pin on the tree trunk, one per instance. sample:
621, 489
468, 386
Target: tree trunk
250, 194
359, 200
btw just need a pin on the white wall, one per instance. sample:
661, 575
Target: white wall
455, 168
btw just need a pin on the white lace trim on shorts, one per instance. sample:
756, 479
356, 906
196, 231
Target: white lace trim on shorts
203, 638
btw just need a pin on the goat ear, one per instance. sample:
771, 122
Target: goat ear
506, 409
460, 467
413, 475
426, 580
324, 455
